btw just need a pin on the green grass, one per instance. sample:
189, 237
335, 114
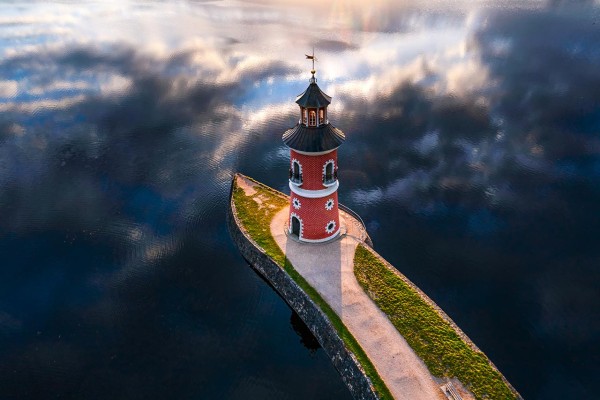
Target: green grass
256, 219
434, 340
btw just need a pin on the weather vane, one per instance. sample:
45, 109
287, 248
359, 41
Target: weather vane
313, 58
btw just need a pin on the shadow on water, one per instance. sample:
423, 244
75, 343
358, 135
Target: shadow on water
307, 339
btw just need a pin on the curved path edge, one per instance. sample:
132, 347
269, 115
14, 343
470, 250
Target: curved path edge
343, 359
444, 316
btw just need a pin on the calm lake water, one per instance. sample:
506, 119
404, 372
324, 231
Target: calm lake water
472, 154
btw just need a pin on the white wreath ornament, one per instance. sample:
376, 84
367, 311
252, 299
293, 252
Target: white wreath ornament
329, 205
330, 224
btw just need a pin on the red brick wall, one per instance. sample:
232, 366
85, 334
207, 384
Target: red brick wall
312, 168
313, 213
315, 216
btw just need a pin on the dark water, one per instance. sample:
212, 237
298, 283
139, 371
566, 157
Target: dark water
473, 155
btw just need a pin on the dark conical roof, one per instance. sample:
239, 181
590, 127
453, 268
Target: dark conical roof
313, 96
313, 139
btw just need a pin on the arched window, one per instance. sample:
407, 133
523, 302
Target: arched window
296, 225
312, 118
321, 116
329, 174
296, 172
303, 112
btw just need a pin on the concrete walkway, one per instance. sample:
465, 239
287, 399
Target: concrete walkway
329, 268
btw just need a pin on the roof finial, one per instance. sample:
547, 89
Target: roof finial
312, 71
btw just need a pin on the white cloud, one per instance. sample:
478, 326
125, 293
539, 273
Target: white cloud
9, 88
58, 86
466, 77
40, 105
115, 84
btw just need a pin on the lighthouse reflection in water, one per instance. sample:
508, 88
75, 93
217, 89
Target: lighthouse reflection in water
471, 154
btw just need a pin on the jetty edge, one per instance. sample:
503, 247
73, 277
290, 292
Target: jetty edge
254, 239
363, 383
445, 349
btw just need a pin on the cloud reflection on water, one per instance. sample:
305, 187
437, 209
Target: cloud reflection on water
477, 125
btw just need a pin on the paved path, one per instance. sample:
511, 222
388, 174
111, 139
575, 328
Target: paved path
329, 269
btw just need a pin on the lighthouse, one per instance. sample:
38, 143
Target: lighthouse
313, 178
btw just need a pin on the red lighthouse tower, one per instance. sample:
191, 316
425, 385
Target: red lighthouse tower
313, 144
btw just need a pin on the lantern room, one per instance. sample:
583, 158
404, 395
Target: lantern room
313, 105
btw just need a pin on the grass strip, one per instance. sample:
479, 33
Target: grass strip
434, 340
256, 217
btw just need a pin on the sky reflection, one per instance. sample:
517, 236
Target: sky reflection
472, 126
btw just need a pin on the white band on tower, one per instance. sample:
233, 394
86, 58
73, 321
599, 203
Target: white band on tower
314, 194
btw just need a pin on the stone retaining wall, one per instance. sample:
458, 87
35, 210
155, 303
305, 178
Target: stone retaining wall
344, 361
